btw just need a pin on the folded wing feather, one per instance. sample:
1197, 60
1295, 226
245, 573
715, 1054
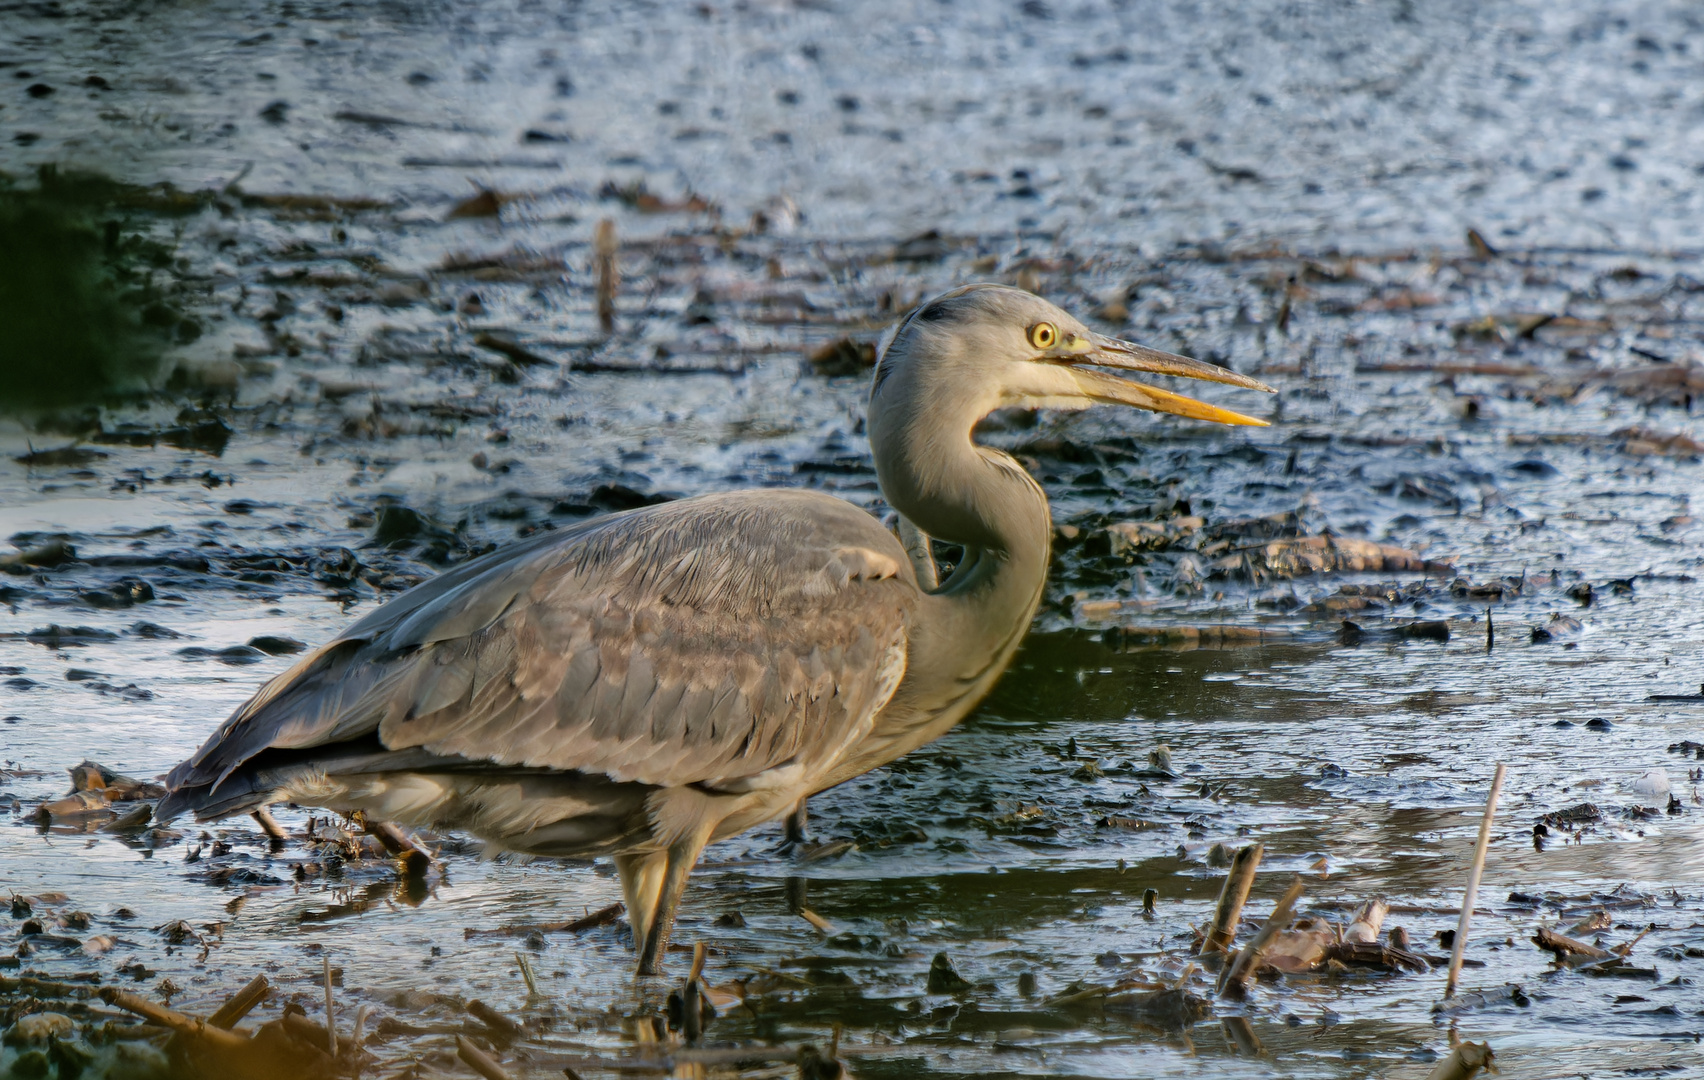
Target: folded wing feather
703, 641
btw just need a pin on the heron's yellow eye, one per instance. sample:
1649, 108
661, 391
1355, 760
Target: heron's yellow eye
1044, 335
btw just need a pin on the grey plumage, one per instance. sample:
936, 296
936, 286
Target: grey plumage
706, 641
641, 684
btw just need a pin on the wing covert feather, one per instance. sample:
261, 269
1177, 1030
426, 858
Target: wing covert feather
702, 641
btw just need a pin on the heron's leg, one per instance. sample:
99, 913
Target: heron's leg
681, 858
793, 824
641, 884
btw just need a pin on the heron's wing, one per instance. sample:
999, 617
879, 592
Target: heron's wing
705, 642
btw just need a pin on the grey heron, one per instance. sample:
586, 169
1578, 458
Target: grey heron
641, 684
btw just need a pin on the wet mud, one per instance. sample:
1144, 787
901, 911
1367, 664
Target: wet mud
1468, 536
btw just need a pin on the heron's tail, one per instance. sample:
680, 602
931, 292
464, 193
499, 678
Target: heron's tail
239, 794
287, 775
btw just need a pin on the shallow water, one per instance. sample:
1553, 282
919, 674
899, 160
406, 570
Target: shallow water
1416, 408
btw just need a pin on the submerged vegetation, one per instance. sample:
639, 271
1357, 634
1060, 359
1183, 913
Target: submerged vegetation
84, 313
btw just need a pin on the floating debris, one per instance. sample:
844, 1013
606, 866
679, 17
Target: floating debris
843, 357
944, 977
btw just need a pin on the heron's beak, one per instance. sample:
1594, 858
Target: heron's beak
1103, 351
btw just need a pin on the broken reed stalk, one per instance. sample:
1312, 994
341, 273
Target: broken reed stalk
692, 998
478, 1060
358, 1029
241, 1003
496, 1021
823, 925
330, 1019
1472, 895
187, 1025
527, 974
1232, 896
608, 273
1626, 948
1235, 976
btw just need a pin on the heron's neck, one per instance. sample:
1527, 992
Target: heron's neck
966, 494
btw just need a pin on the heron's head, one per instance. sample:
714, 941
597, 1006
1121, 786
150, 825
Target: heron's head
983, 347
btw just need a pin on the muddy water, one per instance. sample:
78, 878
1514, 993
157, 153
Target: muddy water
337, 430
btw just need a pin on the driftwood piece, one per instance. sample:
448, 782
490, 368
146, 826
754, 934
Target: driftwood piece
308, 1033
1616, 967
601, 917
241, 1003
285, 1049
1299, 556
1088, 993
1170, 1008
1234, 980
51, 553
1482, 999
1566, 947
1597, 920
77, 805
1372, 954
131, 820
661, 1060
1302, 947
43, 988
93, 776
514, 350
1368, 922
1464, 1062
1232, 896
